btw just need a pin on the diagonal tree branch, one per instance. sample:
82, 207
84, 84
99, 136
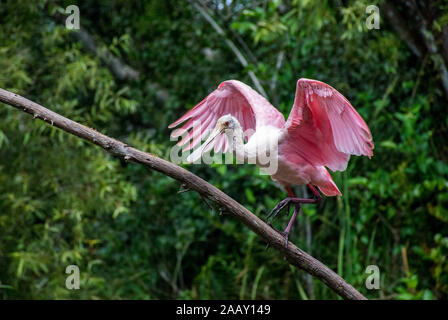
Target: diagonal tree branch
294, 255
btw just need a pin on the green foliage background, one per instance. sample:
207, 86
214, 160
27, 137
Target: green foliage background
64, 201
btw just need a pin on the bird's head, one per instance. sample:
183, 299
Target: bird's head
226, 122
225, 125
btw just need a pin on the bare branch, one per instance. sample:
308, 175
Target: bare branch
430, 42
414, 43
402, 28
277, 68
445, 43
275, 76
293, 255
119, 69
235, 34
231, 45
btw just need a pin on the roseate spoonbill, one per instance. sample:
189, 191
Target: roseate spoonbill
322, 130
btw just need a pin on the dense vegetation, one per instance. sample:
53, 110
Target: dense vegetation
64, 201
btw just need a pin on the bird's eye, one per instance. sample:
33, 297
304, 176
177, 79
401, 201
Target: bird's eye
226, 123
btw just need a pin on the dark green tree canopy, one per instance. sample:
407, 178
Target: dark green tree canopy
135, 67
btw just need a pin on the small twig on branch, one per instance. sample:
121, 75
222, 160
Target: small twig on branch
293, 255
183, 188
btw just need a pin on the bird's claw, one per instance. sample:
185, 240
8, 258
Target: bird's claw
297, 203
285, 235
279, 207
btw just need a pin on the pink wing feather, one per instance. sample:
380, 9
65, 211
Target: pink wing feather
231, 97
323, 128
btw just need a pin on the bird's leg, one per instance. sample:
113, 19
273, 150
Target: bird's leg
296, 201
316, 193
293, 218
292, 199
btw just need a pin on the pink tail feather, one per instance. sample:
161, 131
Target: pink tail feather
330, 189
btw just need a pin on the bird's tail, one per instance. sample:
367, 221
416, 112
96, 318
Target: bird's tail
329, 188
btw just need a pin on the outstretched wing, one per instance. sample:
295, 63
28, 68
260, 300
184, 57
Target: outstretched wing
231, 97
323, 128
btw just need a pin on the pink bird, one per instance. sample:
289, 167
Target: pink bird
322, 130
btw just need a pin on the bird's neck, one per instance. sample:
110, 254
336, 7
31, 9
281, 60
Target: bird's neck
236, 142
